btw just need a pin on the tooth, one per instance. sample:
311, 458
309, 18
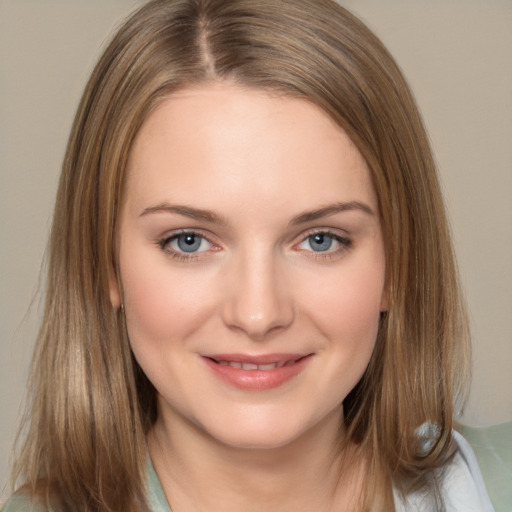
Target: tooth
252, 366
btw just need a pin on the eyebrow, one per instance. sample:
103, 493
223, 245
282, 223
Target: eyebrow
331, 209
308, 216
186, 211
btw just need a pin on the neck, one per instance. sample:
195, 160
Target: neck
201, 474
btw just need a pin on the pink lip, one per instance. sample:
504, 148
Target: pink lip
278, 369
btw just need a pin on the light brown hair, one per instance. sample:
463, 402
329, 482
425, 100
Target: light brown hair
91, 406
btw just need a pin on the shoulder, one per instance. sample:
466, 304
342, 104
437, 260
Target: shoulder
23, 503
461, 485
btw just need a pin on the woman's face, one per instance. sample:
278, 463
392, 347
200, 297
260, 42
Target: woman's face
252, 264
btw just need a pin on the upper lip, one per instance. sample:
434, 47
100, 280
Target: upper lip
278, 358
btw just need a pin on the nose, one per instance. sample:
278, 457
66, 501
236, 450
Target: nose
257, 300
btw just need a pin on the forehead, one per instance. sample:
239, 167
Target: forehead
222, 139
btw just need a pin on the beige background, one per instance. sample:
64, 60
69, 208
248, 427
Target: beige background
457, 56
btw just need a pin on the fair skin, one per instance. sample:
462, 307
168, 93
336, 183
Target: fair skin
252, 277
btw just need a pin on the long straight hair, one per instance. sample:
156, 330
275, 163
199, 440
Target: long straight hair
83, 444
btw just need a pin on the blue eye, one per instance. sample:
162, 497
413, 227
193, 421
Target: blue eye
320, 242
324, 242
187, 243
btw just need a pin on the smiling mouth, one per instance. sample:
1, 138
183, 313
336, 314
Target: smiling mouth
253, 366
257, 373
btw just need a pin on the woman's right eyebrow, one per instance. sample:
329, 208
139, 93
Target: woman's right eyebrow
186, 211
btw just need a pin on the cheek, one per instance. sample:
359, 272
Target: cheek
348, 315
349, 302
163, 310
346, 311
161, 305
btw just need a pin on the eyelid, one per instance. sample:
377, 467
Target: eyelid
164, 243
174, 233
333, 232
344, 241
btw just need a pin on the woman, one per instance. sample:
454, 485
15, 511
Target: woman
252, 299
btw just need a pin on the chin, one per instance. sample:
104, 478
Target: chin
253, 434
258, 440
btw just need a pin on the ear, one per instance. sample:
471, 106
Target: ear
114, 290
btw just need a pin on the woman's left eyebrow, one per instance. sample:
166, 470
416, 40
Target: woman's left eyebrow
330, 209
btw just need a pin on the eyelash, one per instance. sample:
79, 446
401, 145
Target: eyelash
345, 245
164, 244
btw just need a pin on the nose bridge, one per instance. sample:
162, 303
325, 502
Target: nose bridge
257, 300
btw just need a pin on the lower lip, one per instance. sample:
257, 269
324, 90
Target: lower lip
257, 380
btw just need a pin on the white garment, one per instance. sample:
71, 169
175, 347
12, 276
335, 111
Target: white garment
462, 486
